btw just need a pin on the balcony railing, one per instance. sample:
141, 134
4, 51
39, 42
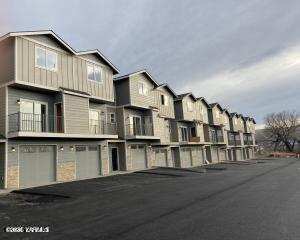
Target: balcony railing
139, 130
29, 122
102, 127
231, 142
238, 142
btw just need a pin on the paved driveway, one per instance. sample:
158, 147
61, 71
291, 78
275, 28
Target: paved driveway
253, 201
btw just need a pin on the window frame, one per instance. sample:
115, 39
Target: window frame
110, 117
46, 52
93, 67
144, 87
190, 106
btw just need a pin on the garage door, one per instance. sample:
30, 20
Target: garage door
161, 158
222, 155
214, 153
87, 161
186, 157
198, 156
138, 157
37, 165
238, 153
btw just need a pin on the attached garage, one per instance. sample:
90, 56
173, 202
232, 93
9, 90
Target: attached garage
37, 165
214, 153
138, 156
161, 157
222, 154
197, 156
238, 154
87, 161
186, 157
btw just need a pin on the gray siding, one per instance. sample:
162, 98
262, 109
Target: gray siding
3, 111
137, 99
178, 110
122, 91
14, 94
71, 73
7, 60
163, 109
120, 122
76, 114
2, 164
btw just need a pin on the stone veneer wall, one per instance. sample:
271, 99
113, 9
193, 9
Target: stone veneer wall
12, 167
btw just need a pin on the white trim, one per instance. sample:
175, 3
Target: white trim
7, 84
64, 111
46, 52
6, 164
136, 73
50, 32
62, 135
16, 59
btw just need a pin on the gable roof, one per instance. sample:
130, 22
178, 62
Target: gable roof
203, 100
226, 111
63, 43
144, 71
170, 90
181, 96
250, 119
212, 105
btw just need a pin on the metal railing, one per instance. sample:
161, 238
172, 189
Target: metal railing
102, 127
139, 130
29, 122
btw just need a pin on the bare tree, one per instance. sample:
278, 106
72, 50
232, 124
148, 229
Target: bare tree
281, 129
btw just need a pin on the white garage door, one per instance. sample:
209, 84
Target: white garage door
87, 161
197, 156
214, 154
222, 154
138, 157
161, 157
37, 165
238, 154
186, 157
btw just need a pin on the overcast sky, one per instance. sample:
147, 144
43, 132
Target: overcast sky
243, 54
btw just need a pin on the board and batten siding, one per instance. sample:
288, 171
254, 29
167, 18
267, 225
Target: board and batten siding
166, 110
189, 115
76, 113
3, 111
7, 61
71, 71
137, 99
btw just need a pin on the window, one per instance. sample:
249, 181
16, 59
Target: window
235, 121
94, 73
142, 88
112, 117
183, 134
190, 106
45, 59
164, 100
217, 114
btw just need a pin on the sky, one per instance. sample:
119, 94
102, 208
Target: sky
243, 54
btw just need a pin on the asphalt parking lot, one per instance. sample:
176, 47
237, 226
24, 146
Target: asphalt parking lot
250, 200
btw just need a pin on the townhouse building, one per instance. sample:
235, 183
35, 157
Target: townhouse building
57, 111
64, 117
144, 112
249, 137
217, 132
236, 149
188, 128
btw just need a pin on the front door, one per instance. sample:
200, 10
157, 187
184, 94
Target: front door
58, 116
114, 158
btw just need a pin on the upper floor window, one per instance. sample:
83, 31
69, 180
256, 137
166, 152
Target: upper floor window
142, 88
94, 73
190, 106
217, 114
235, 121
164, 100
112, 118
45, 59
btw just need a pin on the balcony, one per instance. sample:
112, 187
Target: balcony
139, 131
99, 127
44, 125
216, 139
29, 122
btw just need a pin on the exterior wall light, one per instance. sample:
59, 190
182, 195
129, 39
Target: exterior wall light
13, 149
19, 101
71, 148
61, 148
